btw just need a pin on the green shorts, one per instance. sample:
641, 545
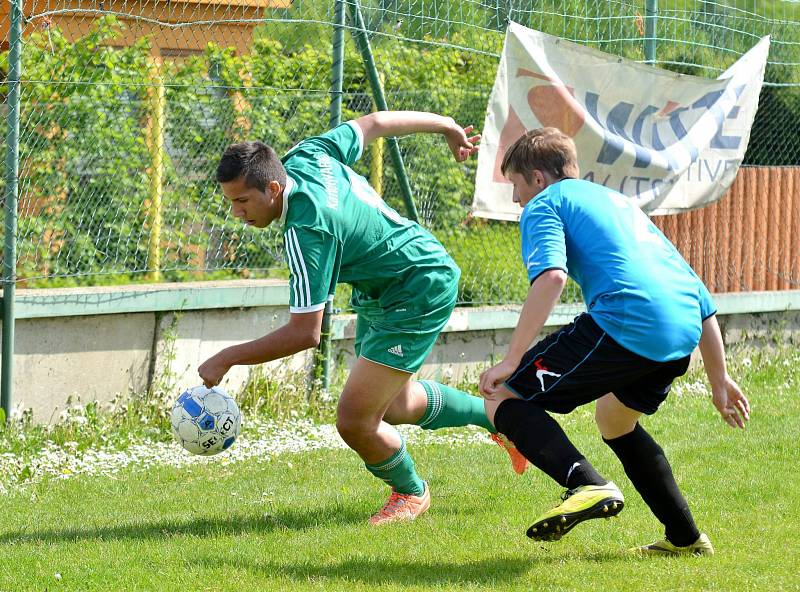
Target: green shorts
402, 337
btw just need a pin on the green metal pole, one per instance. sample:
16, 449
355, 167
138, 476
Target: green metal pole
322, 370
650, 18
362, 40
155, 146
338, 64
12, 189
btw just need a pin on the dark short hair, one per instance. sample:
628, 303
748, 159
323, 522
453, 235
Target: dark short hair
255, 161
543, 149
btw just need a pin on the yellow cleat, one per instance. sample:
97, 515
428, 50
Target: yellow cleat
702, 546
402, 507
582, 503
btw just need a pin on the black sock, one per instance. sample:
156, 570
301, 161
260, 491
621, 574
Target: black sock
649, 471
542, 441
581, 472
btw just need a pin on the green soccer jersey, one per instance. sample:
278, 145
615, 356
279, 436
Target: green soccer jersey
338, 229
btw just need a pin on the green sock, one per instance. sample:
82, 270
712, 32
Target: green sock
449, 408
399, 472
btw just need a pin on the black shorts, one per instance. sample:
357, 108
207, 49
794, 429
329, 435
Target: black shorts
580, 363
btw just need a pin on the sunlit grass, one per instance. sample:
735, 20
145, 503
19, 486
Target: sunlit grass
298, 521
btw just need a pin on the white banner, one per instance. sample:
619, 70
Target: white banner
671, 141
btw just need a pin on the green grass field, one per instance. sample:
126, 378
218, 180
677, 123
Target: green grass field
298, 522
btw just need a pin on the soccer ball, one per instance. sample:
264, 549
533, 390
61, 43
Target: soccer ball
205, 421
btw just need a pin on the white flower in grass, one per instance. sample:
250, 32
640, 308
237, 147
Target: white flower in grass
263, 441
696, 388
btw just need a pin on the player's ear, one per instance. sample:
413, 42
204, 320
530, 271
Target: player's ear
539, 179
274, 189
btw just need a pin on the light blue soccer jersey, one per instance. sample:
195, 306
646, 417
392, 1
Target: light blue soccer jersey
636, 285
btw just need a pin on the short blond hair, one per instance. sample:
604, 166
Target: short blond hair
544, 149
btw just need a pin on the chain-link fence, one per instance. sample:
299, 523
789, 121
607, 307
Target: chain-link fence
126, 106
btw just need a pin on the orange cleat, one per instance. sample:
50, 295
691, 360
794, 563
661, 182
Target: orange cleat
518, 462
401, 507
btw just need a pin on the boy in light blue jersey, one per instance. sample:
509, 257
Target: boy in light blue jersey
646, 312
338, 229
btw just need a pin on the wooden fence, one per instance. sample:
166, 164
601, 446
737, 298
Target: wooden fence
750, 239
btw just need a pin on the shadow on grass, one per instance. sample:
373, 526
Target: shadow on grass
380, 570
296, 519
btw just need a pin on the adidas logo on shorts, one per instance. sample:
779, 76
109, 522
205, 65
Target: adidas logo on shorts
396, 350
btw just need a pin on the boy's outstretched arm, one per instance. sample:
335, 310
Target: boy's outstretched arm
300, 333
727, 397
401, 123
542, 297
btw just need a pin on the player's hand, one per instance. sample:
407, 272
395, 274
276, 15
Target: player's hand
213, 370
731, 403
461, 143
492, 378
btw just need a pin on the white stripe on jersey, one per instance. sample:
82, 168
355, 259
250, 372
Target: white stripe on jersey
302, 272
292, 266
304, 309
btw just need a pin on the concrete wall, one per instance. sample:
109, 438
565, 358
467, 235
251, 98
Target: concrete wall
100, 343
95, 357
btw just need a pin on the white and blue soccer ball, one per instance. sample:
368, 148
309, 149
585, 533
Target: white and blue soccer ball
206, 421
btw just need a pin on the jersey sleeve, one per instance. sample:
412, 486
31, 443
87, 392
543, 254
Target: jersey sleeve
314, 258
707, 305
544, 245
345, 143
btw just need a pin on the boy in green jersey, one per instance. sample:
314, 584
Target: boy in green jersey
338, 229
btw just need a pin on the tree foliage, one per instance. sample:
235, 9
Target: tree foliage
87, 108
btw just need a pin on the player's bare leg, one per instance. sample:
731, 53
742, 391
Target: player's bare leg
366, 397
408, 405
613, 418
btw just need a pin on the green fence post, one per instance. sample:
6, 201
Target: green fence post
362, 41
155, 146
650, 18
322, 367
12, 189
338, 64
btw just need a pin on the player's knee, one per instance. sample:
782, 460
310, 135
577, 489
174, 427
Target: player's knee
604, 424
346, 427
353, 428
510, 415
611, 423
